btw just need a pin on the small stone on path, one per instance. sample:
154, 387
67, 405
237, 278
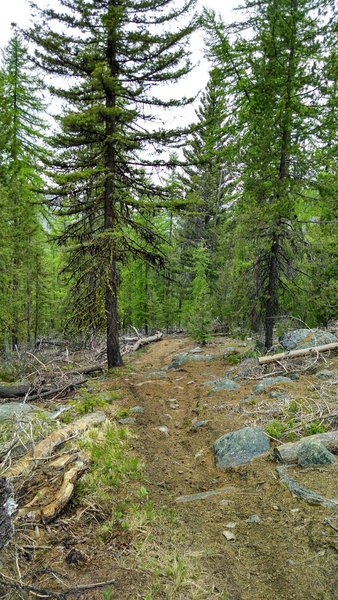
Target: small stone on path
253, 519
198, 425
137, 410
225, 384
163, 429
205, 495
127, 421
229, 535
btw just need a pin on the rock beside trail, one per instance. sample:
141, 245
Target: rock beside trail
137, 410
306, 338
127, 421
230, 351
15, 409
270, 382
225, 384
279, 396
313, 452
180, 359
327, 374
8, 508
240, 447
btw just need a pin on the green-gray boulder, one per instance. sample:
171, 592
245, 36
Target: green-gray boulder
225, 384
270, 382
306, 338
240, 447
313, 452
12, 410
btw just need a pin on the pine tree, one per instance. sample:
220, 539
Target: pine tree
114, 54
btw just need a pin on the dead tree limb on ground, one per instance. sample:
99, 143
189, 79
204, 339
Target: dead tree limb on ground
300, 352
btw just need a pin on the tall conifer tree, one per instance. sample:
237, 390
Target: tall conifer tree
205, 172
113, 55
274, 76
22, 151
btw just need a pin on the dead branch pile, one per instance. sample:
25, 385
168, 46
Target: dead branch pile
51, 379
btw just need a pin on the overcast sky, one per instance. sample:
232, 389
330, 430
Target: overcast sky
18, 11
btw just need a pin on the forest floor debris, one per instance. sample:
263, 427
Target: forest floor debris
150, 511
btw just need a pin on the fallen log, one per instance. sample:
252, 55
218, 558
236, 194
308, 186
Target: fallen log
288, 453
145, 341
300, 352
14, 391
44, 449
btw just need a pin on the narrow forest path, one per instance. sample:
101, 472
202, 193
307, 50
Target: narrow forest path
287, 554
160, 548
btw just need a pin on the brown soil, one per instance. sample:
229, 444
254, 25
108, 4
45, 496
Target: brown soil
290, 554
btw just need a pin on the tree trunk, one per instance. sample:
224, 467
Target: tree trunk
111, 284
146, 307
114, 358
272, 299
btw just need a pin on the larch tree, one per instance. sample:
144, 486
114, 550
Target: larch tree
271, 63
22, 151
112, 55
205, 170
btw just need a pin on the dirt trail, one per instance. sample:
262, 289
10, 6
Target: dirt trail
290, 553
281, 549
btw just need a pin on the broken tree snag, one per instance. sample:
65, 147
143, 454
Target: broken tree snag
301, 352
144, 341
7, 509
44, 449
288, 453
51, 499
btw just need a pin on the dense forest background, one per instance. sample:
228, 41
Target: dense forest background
110, 219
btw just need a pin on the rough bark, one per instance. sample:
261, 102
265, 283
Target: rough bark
114, 357
14, 391
272, 298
